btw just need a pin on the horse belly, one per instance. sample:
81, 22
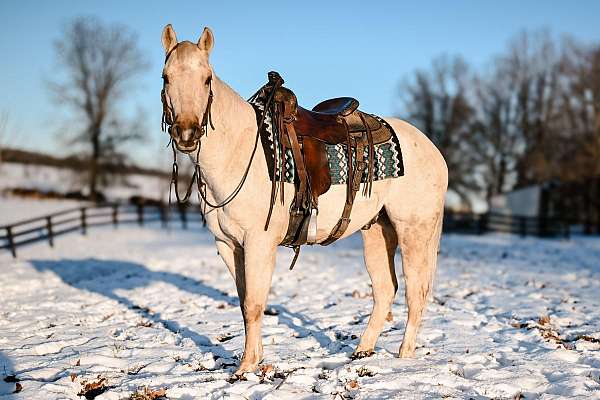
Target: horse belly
364, 208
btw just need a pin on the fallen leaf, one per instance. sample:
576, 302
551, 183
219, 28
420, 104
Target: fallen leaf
73, 376
145, 393
353, 384
358, 295
588, 338
544, 320
144, 323
364, 371
225, 337
18, 387
94, 388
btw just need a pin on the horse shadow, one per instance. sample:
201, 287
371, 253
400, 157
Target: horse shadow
108, 277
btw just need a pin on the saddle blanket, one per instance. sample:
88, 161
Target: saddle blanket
387, 161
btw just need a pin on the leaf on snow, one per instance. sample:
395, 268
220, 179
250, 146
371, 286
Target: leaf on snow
94, 388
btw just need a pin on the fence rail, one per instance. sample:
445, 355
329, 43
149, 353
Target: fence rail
493, 222
48, 227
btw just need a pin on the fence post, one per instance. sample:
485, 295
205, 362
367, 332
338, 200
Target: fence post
543, 225
50, 231
83, 221
482, 224
587, 211
115, 216
11, 241
183, 216
163, 215
566, 229
523, 226
140, 214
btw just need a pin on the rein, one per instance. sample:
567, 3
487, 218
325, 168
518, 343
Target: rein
167, 124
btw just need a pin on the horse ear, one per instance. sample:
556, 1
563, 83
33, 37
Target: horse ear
207, 40
169, 39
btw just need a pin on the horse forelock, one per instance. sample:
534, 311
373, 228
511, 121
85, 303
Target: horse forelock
187, 53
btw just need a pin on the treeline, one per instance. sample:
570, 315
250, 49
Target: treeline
531, 116
75, 163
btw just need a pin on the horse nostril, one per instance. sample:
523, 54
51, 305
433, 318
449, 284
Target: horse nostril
175, 132
197, 132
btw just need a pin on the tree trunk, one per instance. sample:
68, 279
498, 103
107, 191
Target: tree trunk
93, 176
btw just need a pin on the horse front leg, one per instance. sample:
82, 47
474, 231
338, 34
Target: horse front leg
259, 263
233, 256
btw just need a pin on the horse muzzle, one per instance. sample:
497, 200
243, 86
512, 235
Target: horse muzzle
186, 138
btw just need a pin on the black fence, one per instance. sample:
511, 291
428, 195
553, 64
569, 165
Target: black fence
462, 222
48, 227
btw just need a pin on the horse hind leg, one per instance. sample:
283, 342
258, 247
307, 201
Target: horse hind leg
419, 239
380, 243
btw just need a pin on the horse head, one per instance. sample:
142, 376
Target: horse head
187, 91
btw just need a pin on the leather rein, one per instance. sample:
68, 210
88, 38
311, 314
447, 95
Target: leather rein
167, 123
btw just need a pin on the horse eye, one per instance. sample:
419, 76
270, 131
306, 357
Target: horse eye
207, 81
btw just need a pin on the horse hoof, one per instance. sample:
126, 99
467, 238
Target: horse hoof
357, 355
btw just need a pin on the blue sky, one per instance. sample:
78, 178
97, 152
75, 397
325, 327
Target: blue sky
322, 49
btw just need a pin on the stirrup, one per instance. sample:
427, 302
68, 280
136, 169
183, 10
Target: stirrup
311, 235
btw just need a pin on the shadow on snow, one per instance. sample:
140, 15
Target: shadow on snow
108, 277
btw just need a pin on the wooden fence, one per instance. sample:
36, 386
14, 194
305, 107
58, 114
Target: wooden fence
461, 222
48, 227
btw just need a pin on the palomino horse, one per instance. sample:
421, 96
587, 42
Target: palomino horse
413, 203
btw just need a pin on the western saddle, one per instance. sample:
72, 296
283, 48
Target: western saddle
306, 133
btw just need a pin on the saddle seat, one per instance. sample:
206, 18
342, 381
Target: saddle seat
343, 106
331, 120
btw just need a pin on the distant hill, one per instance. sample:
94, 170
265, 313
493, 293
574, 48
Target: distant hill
72, 162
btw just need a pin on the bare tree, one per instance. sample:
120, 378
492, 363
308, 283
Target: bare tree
3, 132
438, 102
533, 117
530, 72
100, 63
580, 110
496, 143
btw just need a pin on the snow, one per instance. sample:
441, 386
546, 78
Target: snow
157, 308
15, 209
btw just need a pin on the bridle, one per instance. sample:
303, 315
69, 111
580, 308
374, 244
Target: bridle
167, 124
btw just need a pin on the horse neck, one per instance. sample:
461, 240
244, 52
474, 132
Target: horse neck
229, 145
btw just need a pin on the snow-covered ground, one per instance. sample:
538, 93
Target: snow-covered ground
132, 308
15, 209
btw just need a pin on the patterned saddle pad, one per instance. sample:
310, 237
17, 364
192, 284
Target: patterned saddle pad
387, 161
